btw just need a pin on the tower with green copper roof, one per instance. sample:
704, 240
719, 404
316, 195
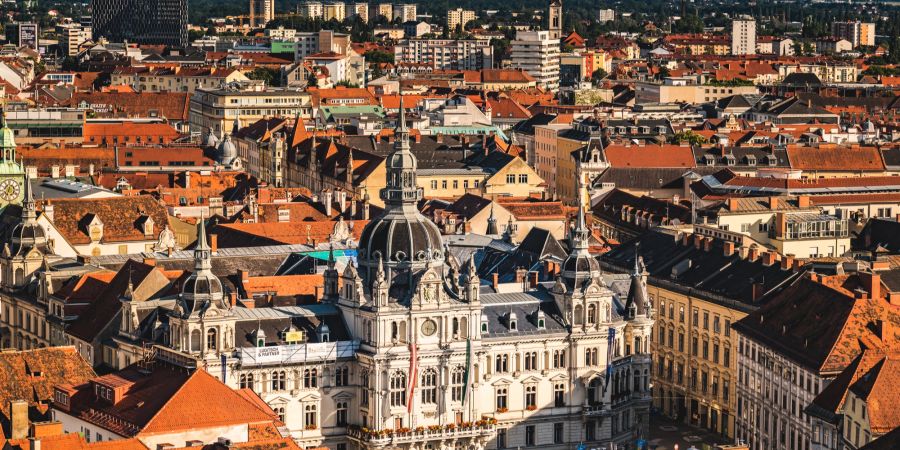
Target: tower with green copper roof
12, 174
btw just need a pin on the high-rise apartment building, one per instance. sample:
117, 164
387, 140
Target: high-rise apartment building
405, 12
537, 52
459, 17
386, 10
311, 9
446, 54
335, 10
606, 15
70, 36
858, 33
261, 12
154, 22
361, 10
743, 36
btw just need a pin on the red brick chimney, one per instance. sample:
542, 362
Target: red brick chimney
496, 280
769, 258
787, 261
733, 204
707, 244
773, 202
803, 201
728, 248
698, 241
871, 282
753, 253
150, 261
534, 279
214, 242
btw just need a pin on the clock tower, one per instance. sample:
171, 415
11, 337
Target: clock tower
12, 174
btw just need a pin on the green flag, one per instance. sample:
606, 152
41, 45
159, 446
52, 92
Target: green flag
468, 370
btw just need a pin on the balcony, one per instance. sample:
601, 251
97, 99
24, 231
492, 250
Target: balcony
484, 428
595, 410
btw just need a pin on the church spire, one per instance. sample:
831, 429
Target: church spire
202, 252
401, 190
580, 234
29, 212
492, 223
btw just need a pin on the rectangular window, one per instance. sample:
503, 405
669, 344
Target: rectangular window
727, 327
510, 178
433, 184
523, 178
529, 436
558, 433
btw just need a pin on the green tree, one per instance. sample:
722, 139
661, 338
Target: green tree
688, 136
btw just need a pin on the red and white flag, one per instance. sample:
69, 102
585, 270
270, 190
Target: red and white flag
413, 376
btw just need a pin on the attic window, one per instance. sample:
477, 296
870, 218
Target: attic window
772, 160
730, 160
709, 159
513, 322
484, 324
751, 160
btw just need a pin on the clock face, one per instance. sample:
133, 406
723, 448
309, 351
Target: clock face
429, 327
9, 190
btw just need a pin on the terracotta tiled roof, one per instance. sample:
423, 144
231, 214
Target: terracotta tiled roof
649, 156
535, 210
164, 400
507, 108
835, 158
129, 132
283, 285
173, 106
121, 217
31, 375
880, 389
278, 233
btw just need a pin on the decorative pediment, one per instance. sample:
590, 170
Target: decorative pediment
501, 382
342, 395
531, 380
559, 377
310, 398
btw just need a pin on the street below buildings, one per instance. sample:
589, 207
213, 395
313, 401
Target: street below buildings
666, 434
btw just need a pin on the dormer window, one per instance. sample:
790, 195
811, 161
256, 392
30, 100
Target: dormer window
260, 336
484, 324
751, 160
513, 322
709, 160
730, 160
147, 225
772, 160
540, 320
323, 332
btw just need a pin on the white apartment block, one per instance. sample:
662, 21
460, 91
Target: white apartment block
361, 10
311, 10
446, 54
335, 10
386, 10
537, 53
743, 37
261, 12
858, 33
404, 11
71, 36
459, 17
606, 15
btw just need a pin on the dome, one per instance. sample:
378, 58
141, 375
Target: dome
227, 150
7, 136
26, 236
401, 238
202, 284
581, 263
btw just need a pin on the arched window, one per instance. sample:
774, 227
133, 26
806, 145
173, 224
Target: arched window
457, 378
250, 383
310, 378
243, 382
455, 328
531, 396
592, 314
212, 342
278, 380
637, 345
311, 416
398, 389
195, 341
280, 411
429, 386
395, 331
341, 414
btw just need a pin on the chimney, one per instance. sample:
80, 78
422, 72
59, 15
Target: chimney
214, 242
520, 274
54, 171
698, 241
860, 294
417, 137
70, 170
707, 244
769, 258
18, 419
46, 429
787, 261
150, 262
758, 291
686, 239
326, 201
728, 248
187, 179
48, 211
496, 280
31, 171
803, 201
773, 202
733, 204
439, 138
232, 298
871, 283
534, 278
753, 253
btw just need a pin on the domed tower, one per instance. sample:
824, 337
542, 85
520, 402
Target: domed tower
203, 290
402, 240
579, 290
27, 245
12, 174
227, 152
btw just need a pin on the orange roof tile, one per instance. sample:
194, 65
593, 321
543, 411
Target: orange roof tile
649, 156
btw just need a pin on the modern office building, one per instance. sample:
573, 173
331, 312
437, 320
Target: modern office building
743, 36
404, 11
156, 22
361, 10
70, 36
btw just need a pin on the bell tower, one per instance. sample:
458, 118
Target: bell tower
555, 19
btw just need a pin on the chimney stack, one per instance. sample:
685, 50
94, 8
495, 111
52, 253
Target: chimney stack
871, 283
787, 261
496, 281
769, 258
753, 253
18, 419
214, 242
534, 278
803, 201
728, 248
773, 202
